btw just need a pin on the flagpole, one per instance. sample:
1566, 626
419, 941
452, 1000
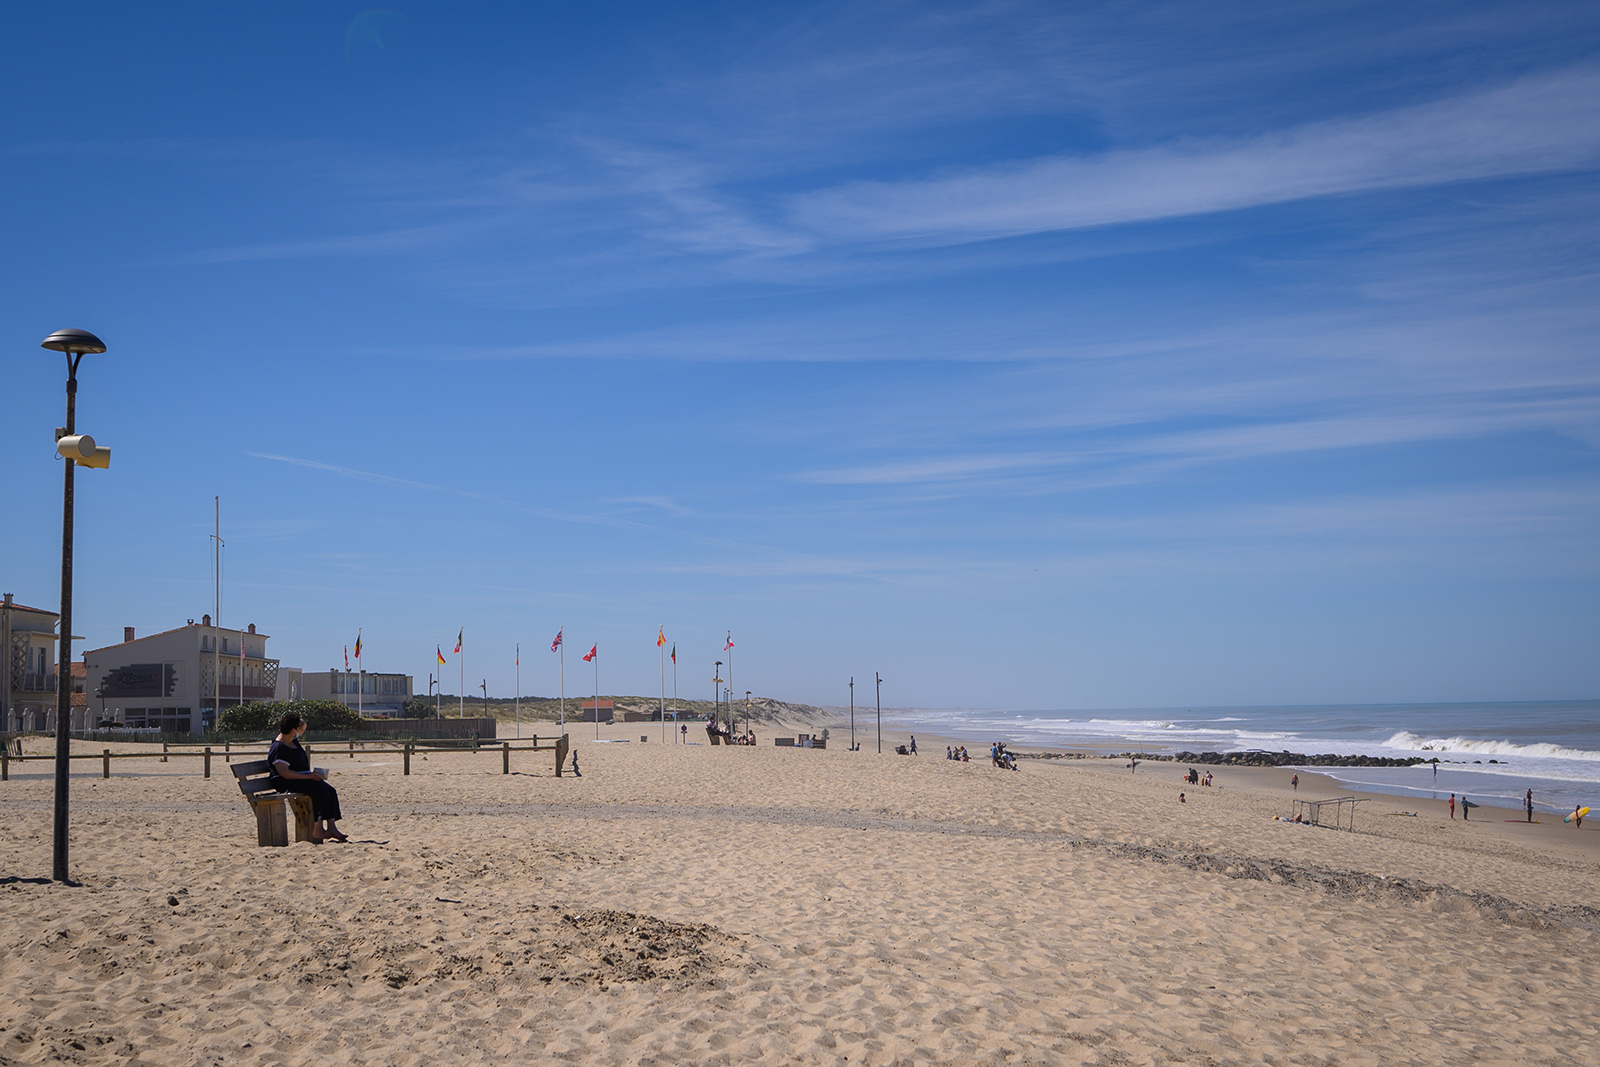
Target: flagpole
661, 647
519, 691
360, 672
730, 683
597, 692
461, 697
675, 730
562, 648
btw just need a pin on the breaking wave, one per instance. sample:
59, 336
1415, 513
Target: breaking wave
1413, 743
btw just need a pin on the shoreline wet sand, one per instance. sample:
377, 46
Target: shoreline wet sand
711, 905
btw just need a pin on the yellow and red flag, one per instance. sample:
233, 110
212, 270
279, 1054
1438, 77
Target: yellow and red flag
661, 637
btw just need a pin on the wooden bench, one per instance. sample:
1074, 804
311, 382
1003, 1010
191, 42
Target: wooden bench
272, 807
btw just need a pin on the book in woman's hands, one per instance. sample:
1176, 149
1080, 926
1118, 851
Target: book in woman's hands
321, 772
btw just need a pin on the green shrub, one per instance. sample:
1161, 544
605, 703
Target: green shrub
418, 708
320, 715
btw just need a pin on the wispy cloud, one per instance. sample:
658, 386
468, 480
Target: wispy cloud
1538, 125
406, 483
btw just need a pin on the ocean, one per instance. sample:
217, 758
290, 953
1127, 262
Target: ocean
1489, 752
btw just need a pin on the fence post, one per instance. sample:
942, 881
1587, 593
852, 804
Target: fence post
5, 762
352, 748
408, 757
227, 752
505, 758
105, 763
163, 752
208, 761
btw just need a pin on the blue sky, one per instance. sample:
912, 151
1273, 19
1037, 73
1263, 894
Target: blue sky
1034, 355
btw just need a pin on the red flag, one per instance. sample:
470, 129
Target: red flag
729, 644
346, 657
593, 652
674, 657
661, 637
459, 636
557, 642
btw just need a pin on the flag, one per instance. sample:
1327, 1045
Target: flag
438, 654
346, 657
661, 637
519, 656
674, 656
557, 642
459, 636
593, 652
358, 644
730, 642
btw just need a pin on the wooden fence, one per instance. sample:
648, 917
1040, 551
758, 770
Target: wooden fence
178, 750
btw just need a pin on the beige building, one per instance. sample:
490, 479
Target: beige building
177, 680
380, 695
28, 651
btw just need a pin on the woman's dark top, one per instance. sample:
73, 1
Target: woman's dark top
293, 755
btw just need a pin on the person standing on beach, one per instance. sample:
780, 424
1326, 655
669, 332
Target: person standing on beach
1527, 802
913, 744
1465, 805
1452, 805
1577, 816
1295, 783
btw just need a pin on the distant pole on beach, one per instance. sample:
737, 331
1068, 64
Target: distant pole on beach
461, 658
674, 689
561, 647
879, 677
716, 692
729, 650
747, 711
485, 688
661, 647
852, 713
518, 694
596, 655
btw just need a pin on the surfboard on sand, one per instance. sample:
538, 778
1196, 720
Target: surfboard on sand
1580, 813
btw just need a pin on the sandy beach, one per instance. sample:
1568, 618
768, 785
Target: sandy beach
689, 904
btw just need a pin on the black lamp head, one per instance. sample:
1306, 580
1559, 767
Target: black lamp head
74, 342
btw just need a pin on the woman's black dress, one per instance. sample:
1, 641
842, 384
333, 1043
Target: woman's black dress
324, 797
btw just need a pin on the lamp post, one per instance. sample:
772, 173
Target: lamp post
74, 344
879, 677
716, 692
747, 711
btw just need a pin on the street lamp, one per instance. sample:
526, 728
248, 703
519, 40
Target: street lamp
879, 677
74, 344
716, 692
747, 712
852, 714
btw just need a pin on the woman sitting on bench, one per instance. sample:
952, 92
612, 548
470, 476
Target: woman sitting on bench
290, 768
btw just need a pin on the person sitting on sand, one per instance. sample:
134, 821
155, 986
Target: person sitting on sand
289, 768
964, 757
1182, 799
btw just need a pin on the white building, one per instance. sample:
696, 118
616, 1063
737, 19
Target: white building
28, 652
170, 680
381, 695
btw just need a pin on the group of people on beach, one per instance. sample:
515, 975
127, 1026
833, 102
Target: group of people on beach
1002, 758
724, 731
956, 753
1193, 778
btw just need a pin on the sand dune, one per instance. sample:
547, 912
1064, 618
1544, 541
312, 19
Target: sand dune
685, 904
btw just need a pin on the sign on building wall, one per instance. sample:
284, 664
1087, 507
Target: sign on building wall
140, 680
